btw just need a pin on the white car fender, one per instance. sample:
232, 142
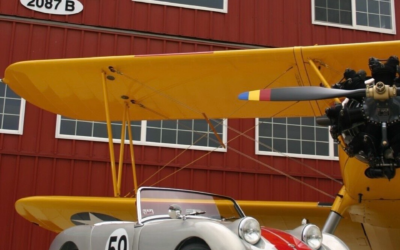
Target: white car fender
79, 235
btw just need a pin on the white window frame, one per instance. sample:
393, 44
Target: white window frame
20, 129
354, 21
143, 141
284, 154
223, 10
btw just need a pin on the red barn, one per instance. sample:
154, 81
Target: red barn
44, 154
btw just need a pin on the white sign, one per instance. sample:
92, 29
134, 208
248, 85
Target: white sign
55, 7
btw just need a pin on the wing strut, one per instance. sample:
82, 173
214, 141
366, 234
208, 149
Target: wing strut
126, 122
121, 150
131, 151
110, 137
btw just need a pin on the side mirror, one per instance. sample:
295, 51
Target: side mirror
174, 211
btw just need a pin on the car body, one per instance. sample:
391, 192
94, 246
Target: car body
179, 219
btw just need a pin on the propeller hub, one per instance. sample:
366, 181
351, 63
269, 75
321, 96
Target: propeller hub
381, 91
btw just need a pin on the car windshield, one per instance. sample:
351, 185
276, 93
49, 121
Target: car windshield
154, 202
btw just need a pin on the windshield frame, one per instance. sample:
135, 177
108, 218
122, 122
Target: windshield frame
142, 220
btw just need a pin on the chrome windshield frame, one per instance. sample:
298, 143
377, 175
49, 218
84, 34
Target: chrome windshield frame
141, 220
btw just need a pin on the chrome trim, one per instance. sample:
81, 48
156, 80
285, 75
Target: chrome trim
139, 209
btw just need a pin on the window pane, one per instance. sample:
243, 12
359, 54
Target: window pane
13, 106
136, 131
2, 89
265, 129
333, 4
153, 135
185, 124
322, 149
200, 125
279, 130
373, 21
200, 139
265, 144
294, 132
213, 141
295, 120
67, 127
11, 94
116, 131
386, 22
84, 128
345, 17
362, 19
218, 125
308, 121
307, 133
100, 130
335, 150
333, 16
320, 3
169, 124
345, 5
373, 6
279, 120
168, 136
2, 103
322, 134
361, 5
384, 8
156, 124
185, 137
279, 145
11, 122
308, 148
294, 147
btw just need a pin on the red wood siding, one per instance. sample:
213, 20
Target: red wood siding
267, 23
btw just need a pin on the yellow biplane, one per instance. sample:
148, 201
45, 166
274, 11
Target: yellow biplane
207, 86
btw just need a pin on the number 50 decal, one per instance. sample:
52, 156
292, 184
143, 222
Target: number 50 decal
55, 7
118, 240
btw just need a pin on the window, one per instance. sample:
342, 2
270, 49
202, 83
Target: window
210, 5
168, 133
369, 15
294, 137
12, 111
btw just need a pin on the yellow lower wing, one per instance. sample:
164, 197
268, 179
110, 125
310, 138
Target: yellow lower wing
55, 213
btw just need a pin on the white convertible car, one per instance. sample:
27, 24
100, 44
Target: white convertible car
178, 219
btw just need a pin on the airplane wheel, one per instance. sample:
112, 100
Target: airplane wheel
196, 246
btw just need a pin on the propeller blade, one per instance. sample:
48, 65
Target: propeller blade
299, 94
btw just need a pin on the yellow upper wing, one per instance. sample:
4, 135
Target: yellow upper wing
184, 86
